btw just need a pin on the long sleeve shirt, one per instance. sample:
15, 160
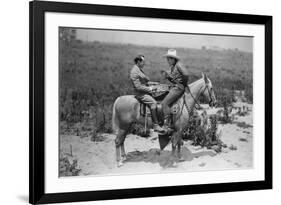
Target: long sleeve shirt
178, 74
139, 80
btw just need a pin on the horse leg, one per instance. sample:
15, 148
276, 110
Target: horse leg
179, 154
119, 142
123, 153
174, 154
118, 158
176, 146
174, 150
174, 140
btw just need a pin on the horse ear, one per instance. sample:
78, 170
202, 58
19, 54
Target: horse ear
205, 77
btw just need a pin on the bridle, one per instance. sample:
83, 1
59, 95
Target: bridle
196, 99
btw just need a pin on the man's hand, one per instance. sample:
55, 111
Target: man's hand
164, 73
152, 89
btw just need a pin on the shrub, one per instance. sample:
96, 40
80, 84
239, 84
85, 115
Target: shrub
202, 134
68, 167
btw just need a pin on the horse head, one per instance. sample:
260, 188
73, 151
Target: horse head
208, 91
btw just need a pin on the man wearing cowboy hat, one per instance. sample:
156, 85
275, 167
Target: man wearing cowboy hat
143, 90
178, 76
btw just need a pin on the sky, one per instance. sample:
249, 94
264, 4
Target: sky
171, 40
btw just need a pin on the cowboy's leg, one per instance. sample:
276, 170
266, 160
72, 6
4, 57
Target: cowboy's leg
149, 101
174, 94
152, 104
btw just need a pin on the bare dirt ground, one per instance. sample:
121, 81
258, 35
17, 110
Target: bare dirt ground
144, 156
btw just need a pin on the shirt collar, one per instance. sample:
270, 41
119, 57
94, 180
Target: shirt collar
139, 68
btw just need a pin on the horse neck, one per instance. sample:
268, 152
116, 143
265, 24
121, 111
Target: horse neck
196, 89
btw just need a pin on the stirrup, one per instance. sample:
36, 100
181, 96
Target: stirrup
158, 129
168, 121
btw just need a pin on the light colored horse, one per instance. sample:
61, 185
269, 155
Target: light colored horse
126, 110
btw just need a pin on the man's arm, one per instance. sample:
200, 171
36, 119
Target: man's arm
182, 69
138, 85
166, 75
184, 72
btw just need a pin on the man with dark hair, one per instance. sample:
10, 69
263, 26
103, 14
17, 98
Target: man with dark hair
143, 91
178, 76
139, 58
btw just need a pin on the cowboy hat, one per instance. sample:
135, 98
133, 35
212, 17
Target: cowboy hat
172, 53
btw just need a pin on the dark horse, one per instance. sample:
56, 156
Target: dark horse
126, 110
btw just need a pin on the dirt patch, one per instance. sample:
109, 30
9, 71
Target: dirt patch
144, 156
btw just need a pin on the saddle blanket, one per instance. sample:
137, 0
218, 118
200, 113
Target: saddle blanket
144, 109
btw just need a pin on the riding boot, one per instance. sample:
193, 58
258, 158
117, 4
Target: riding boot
156, 125
168, 123
167, 120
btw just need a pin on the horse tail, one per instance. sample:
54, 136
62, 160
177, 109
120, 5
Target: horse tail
115, 124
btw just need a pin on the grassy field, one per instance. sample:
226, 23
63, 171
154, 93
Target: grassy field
93, 75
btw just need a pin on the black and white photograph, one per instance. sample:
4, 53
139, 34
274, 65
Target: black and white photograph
144, 102
140, 102
132, 102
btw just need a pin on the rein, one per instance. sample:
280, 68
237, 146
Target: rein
195, 100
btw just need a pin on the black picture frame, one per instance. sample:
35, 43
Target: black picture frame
37, 11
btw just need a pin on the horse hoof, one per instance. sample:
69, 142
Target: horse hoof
120, 164
175, 164
124, 158
181, 159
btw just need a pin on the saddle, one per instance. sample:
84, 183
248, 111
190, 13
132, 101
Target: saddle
145, 111
161, 91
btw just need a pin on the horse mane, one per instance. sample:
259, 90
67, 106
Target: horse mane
194, 83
